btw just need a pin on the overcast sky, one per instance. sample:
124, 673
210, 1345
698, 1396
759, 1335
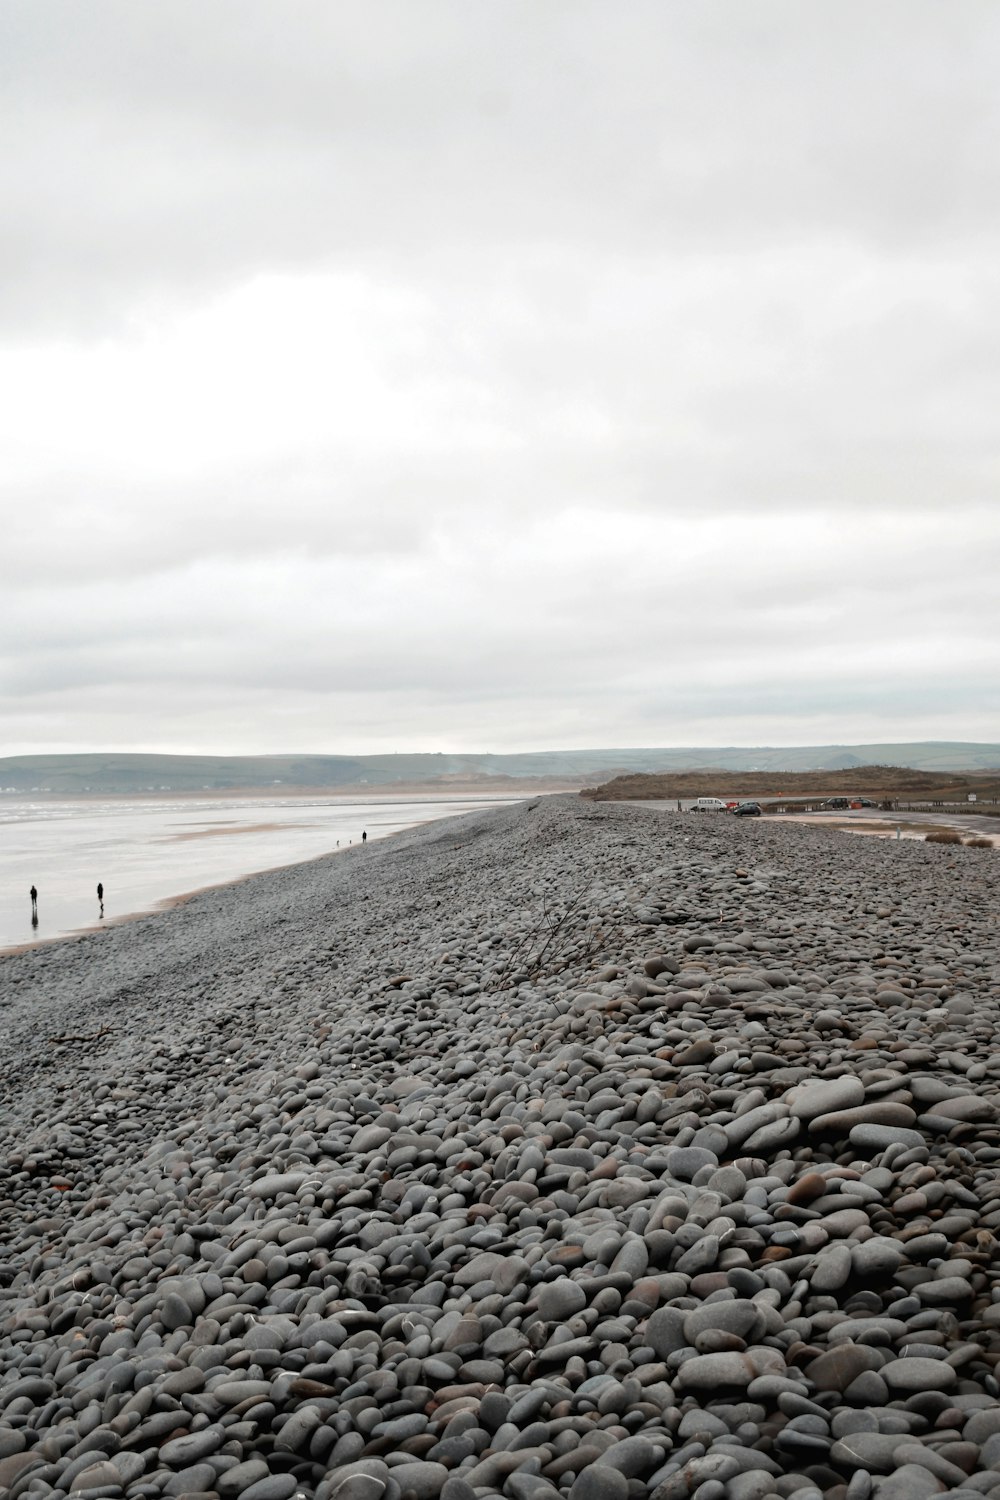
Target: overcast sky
498, 374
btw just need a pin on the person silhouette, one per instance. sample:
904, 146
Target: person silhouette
100, 895
34, 902
364, 837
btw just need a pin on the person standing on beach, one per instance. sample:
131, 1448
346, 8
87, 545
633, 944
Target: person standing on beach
364, 837
34, 902
100, 895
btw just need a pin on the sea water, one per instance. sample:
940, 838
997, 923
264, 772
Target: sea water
148, 852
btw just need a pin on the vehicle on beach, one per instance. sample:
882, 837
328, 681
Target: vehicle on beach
747, 810
837, 804
709, 804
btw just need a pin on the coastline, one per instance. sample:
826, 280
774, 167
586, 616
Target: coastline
516, 1117
147, 852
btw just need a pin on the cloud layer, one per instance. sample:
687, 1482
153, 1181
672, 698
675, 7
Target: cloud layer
498, 377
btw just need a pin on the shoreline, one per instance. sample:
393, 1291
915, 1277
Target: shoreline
141, 891
170, 903
521, 1149
357, 796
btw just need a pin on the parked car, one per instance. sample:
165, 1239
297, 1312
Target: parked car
747, 810
867, 802
709, 804
839, 803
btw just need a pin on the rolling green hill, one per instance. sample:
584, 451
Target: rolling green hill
125, 774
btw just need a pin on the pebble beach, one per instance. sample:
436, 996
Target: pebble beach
563, 1149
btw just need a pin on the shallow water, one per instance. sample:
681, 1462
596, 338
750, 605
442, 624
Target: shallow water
147, 853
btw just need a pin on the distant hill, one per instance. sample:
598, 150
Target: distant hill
132, 775
859, 781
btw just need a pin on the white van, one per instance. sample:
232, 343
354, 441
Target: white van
709, 804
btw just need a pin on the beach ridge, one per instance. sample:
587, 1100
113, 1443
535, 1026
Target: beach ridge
560, 1148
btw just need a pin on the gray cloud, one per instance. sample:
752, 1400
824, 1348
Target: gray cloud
498, 376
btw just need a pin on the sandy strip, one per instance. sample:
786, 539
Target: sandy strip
227, 831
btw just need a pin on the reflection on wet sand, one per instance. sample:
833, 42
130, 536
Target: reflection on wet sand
876, 827
146, 852
214, 833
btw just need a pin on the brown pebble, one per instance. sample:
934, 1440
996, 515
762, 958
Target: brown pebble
964, 1456
694, 1056
718, 1341
812, 1185
910, 1203
707, 1282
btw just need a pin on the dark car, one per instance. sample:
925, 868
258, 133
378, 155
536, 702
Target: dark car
867, 802
747, 810
840, 803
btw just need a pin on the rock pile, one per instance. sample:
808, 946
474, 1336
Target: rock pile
560, 1150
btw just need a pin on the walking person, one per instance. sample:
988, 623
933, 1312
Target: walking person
100, 895
34, 907
364, 837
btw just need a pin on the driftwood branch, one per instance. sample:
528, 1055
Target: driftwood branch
95, 1037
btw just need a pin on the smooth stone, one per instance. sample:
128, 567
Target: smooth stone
558, 1300
175, 1313
776, 1136
750, 1485
454, 1488
684, 1161
193, 1480
982, 1425
824, 1096
98, 1476
918, 1374
706, 1372
665, 1331
842, 1122
868, 1450
968, 1107
870, 1137
811, 1185
274, 1487
843, 1222
694, 1056
838, 1367
735, 1315
235, 1392
182, 1451
925, 1246
831, 1269
632, 1456
927, 1458
879, 1256
277, 1182
593, 1483
909, 1482
868, 1389
503, 1271
421, 1478
232, 1482
744, 1125
944, 1292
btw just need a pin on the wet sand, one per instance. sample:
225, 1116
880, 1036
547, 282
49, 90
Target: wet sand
146, 852
214, 833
